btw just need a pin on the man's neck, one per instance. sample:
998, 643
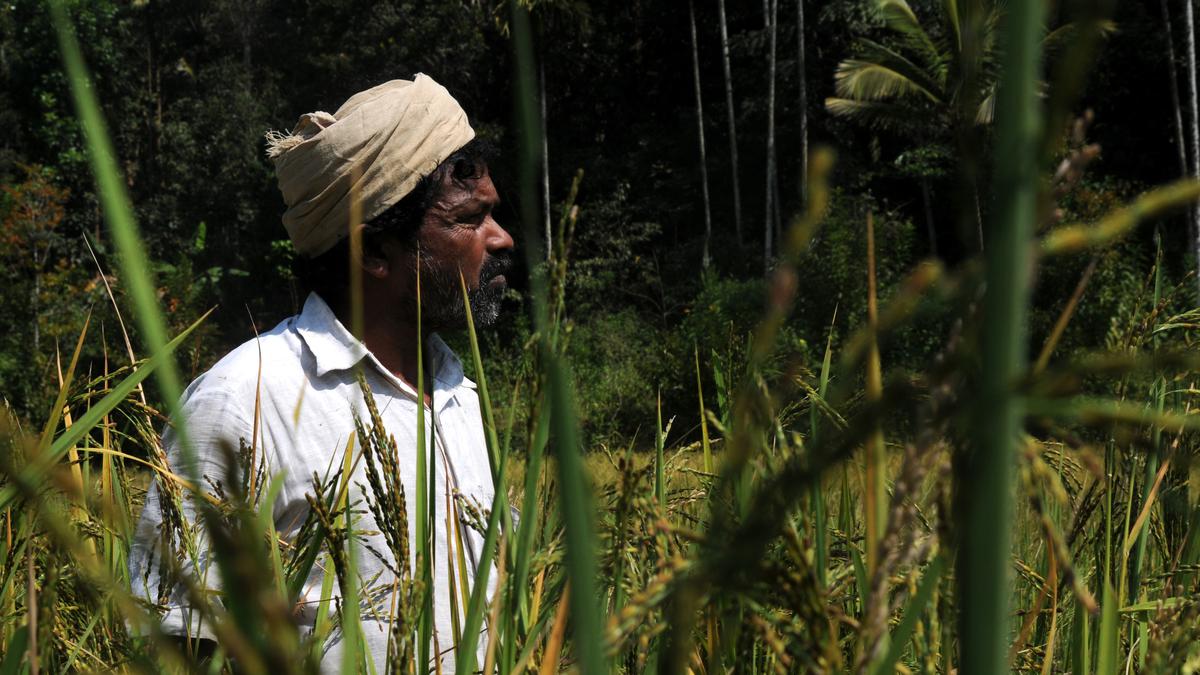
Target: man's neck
392, 338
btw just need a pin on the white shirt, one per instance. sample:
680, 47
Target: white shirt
308, 396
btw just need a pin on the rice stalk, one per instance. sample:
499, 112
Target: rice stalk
985, 508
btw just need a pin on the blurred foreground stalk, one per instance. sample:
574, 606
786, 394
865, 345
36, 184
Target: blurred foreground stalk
985, 483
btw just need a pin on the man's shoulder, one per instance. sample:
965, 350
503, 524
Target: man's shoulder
264, 361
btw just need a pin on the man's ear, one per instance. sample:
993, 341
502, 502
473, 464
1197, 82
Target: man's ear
372, 258
375, 265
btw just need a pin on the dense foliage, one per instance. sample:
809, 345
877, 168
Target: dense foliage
189, 89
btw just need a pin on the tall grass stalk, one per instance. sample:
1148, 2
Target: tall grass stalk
426, 471
573, 486
986, 483
660, 462
704, 442
119, 215
817, 498
876, 453
1158, 397
499, 520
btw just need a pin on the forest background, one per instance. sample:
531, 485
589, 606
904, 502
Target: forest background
673, 230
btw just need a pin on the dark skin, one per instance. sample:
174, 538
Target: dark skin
457, 233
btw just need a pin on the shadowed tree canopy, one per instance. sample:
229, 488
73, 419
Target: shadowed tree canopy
189, 88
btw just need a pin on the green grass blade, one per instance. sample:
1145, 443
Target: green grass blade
324, 620
473, 621
119, 215
817, 496
708, 463
573, 485
18, 646
426, 489
660, 474
908, 621
1158, 396
499, 481
1080, 653
266, 525
875, 460
529, 513
81, 640
575, 492
60, 400
96, 413
1106, 659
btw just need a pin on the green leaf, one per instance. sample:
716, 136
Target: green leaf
1106, 661
17, 648
1080, 654
912, 614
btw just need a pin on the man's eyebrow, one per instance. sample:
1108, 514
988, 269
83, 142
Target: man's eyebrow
479, 203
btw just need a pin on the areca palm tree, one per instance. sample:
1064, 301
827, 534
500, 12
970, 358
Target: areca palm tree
948, 71
935, 85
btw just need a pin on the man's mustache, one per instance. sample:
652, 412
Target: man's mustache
494, 266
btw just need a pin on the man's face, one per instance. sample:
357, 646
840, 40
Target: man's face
459, 234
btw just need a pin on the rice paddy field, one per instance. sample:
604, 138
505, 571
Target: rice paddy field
1010, 506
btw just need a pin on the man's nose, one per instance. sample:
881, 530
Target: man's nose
498, 239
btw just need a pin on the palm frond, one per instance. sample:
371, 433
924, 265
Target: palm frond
987, 107
951, 17
869, 81
890, 116
931, 79
864, 79
899, 16
1062, 36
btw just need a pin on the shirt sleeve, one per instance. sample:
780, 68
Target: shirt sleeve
171, 542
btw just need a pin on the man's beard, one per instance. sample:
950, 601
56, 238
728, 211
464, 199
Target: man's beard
441, 294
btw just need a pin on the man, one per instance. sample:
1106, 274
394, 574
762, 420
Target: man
402, 159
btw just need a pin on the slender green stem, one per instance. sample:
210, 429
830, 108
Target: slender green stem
574, 490
1158, 399
426, 501
986, 474
118, 213
704, 442
660, 475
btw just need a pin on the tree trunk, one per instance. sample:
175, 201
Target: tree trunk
769, 211
1180, 141
801, 74
978, 213
1193, 223
733, 150
700, 128
545, 159
37, 309
925, 197
972, 186
1194, 109
777, 212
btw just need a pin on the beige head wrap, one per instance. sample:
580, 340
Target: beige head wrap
375, 148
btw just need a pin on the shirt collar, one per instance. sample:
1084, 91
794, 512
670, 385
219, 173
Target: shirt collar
447, 368
334, 348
